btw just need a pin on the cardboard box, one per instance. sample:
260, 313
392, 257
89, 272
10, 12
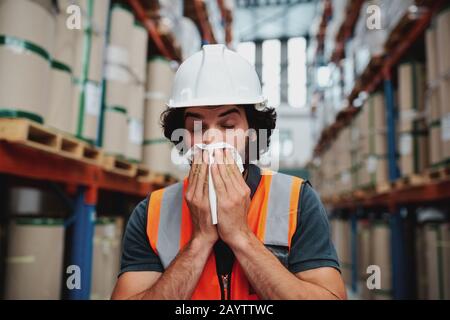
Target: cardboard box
35, 259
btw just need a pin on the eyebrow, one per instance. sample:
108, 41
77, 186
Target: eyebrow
192, 114
198, 115
234, 110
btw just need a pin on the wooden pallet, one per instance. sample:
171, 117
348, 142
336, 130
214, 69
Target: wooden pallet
119, 166
143, 174
362, 193
437, 174
37, 136
31, 134
384, 187
92, 154
410, 181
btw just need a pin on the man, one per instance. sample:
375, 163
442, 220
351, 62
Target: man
272, 238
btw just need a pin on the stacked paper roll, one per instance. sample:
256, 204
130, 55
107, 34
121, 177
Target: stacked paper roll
26, 45
443, 50
120, 42
28, 20
106, 256
88, 67
157, 149
89, 56
139, 43
99, 9
432, 99
65, 40
60, 102
119, 80
135, 131
381, 257
115, 125
412, 133
135, 122
35, 259
86, 99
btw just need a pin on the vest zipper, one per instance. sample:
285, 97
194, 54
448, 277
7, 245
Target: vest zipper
225, 285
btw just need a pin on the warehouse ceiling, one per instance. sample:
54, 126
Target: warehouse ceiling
270, 19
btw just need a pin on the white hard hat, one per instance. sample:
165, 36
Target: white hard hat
216, 76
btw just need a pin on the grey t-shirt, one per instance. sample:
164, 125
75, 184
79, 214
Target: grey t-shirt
311, 246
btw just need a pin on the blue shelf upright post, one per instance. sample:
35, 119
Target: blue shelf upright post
398, 254
394, 172
82, 242
398, 258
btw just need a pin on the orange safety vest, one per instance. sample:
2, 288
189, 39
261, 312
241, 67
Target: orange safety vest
272, 217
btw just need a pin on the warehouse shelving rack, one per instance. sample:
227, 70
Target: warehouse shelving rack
84, 180
346, 29
164, 49
79, 180
379, 72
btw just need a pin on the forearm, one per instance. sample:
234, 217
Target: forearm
179, 280
268, 277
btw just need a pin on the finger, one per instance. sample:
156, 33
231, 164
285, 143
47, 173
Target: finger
222, 168
219, 185
237, 172
193, 174
206, 184
199, 188
231, 168
193, 166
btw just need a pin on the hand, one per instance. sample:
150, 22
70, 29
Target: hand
233, 198
198, 200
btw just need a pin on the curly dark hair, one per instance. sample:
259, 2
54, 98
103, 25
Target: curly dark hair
173, 118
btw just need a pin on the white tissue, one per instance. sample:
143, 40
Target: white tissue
212, 191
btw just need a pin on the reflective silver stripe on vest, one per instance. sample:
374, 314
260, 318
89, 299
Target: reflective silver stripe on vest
277, 220
169, 230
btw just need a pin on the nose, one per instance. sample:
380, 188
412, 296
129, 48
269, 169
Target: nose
213, 135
